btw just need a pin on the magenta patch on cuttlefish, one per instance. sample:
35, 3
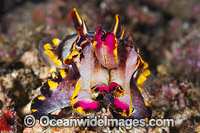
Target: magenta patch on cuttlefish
110, 42
88, 106
115, 87
102, 89
108, 39
120, 106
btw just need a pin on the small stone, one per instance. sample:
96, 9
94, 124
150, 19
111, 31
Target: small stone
29, 58
26, 109
162, 69
44, 73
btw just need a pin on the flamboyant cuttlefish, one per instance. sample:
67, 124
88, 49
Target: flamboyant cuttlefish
90, 63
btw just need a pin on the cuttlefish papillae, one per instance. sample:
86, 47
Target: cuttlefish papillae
93, 63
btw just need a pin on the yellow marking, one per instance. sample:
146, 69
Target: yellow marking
77, 15
47, 46
143, 76
56, 61
116, 24
56, 77
138, 50
131, 109
51, 55
124, 112
76, 91
122, 34
147, 104
141, 79
145, 72
52, 84
94, 46
41, 97
33, 110
122, 90
117, 94
73, 52
115, 51
92, 90
146, 119
80, 110
145, 65
140, 89
56, 41
63, 73
68, 59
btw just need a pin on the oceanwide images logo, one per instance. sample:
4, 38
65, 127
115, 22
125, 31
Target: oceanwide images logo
45, 121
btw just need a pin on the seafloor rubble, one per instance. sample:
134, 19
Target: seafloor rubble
167, 32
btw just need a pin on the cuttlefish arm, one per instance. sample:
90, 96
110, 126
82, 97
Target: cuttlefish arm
99, 79
92, 74
55, 93
120, 77
141, 109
